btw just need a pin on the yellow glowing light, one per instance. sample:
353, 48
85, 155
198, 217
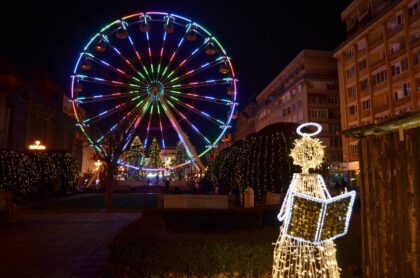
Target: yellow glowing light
37, 146
311, 217
98, 164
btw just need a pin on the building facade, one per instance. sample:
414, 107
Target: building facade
32, 107
378, 65
306, 90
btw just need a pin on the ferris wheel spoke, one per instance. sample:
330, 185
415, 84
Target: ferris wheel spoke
161, 54
195, 71
112, 68
193, 127
130, 40
122, 57
149, 50
202, 114
181, 135
102, 97
125, 118
161, 127
221, 101
208, 83
178, 47
113, 83
148, 126
184, 62
135, 124
107, 113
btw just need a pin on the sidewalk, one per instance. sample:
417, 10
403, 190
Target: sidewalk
59, 244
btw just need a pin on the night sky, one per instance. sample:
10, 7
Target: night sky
261, 37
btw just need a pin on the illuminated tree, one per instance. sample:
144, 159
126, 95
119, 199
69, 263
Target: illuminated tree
180, 157
154, 160
135, 157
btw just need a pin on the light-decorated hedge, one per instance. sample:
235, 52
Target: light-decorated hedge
262, 161
19, 172
146, 249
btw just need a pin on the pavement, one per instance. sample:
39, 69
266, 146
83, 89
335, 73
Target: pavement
59, 244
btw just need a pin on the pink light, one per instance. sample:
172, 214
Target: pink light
150, 52
127, 61
121, 71
172, 57
161, 52
191, 71
116, 82
183, 62
138, 55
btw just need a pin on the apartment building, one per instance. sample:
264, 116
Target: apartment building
378, 65
306, 90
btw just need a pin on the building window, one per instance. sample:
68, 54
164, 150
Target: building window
354, 149
318, 113
331, 86
395, 69
351, 91
350, 71
414, 7
349, 54
353, 110
333, 100
379, 77
406, 89
404, 65
335, 141
366, 105
364, 84
362, 64
416, 58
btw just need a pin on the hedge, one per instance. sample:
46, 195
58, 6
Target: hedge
146, 249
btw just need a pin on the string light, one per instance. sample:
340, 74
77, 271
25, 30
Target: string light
312, 219
37, 146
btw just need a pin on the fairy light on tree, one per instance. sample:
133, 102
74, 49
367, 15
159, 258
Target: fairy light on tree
312, 219
135, 157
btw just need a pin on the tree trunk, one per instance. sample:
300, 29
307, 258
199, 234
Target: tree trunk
109, 183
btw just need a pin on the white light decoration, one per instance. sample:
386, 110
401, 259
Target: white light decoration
311, 218
37, 146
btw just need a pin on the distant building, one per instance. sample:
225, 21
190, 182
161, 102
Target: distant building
306, 90
31, 108
378, 66
245, 124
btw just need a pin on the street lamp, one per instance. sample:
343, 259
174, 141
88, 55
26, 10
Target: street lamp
37, 146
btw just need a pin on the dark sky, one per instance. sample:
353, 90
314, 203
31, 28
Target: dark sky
261, 37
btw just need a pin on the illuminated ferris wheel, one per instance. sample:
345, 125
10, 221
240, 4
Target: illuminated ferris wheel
155, 75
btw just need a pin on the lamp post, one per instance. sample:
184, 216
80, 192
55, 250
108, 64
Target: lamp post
37, 146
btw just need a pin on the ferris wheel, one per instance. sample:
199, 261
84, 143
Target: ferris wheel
155, 75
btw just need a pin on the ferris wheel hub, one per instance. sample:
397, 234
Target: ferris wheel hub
155, 89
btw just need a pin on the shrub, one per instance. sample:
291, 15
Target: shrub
146, 249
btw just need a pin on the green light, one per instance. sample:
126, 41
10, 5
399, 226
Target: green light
177, 85
153, 70
164, 71
221, 122
145, 69
176, 78
158, 70
138, 80
175, 92
170, 74
109, 25
158, 109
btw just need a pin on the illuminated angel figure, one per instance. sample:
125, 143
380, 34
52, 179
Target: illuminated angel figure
311, 218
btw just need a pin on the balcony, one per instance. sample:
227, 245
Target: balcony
365, 113
413, 17
352, 117
375, 42
397, 53
415, 41
402, 101
377, 64
380, 108
395, 30
351, 99
361, 52
379, 87
399, 77
364, 92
